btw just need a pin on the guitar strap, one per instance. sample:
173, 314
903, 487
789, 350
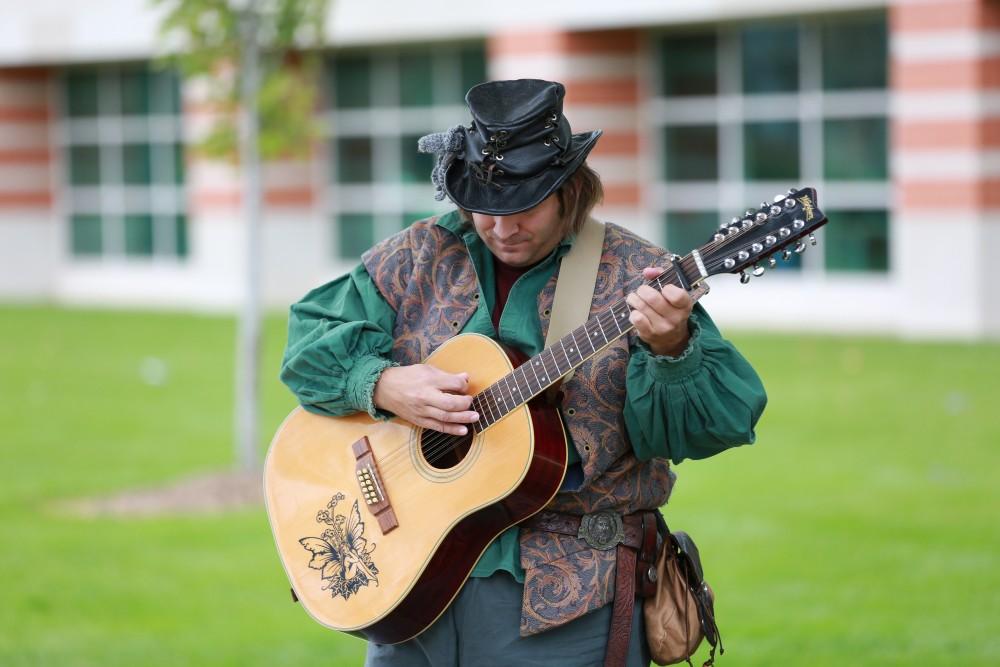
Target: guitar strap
575, 286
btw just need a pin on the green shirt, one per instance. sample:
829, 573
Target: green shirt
687, 407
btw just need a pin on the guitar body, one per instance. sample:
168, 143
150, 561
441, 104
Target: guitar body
389, 577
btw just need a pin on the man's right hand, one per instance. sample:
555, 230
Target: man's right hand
426, 396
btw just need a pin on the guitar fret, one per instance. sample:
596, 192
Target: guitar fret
564, 352
555, 362
615, 319
489, 404
499, 401
589, 341
601, 327
516, 386
541, 362
526, 381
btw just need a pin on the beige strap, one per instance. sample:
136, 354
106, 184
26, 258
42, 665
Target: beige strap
575, 286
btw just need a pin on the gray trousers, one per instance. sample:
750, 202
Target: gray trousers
481, 629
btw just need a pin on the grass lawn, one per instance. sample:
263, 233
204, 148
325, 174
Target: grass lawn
861, 529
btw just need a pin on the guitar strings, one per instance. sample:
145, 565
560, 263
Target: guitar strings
440, 444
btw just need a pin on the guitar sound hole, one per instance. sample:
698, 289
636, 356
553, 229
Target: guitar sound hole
443, 451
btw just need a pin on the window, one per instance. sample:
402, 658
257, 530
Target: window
120, 132
744, 112
380, 104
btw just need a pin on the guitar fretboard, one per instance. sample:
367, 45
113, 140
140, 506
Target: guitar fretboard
546, 368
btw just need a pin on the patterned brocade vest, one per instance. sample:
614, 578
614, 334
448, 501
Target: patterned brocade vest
426, 275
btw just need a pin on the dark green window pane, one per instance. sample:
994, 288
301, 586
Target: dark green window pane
135, 91
770, 59
169, 161
84, 165
855, 149
354, 159
857, 241
409, 218
473, 71
691, 152
180, 236
689, 65
165, 97
855, 53
86, 234
416, 79
351, 77
81, 93
690, 229
771, 150
139, 235
356, 233
137, 164
415, 166
179, 164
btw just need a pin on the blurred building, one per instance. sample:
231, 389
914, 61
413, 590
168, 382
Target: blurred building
891, 111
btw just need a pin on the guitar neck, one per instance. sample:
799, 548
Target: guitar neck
547, 367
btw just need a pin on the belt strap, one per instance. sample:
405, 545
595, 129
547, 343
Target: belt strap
621, 610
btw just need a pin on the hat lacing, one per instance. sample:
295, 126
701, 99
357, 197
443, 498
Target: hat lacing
492, 155
446, 145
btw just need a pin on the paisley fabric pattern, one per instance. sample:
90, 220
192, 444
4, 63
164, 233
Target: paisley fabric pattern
566, 579
426, 275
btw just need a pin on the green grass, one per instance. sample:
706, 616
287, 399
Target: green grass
861, 529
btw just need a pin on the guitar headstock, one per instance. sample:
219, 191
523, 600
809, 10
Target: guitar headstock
786, 224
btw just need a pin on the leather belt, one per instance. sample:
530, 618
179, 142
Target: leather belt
633, 536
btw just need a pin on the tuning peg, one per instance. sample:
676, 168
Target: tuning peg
749, 212
775, 210
800, 247
764, 204
812, 239
743, 255
787, 255
744, 278
729, 262
772, 262
791, 191
778, 198
789, 203
718, 237
758, 270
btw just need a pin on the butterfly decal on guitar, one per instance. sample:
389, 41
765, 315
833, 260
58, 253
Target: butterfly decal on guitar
343, 557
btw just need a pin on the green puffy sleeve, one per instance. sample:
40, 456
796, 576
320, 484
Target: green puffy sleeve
695, 405
339, 341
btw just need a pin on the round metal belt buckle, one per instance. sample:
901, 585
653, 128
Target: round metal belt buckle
602, 530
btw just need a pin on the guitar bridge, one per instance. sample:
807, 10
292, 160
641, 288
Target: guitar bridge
371, 486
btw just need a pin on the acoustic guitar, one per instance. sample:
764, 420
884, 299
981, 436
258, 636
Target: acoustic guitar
379, 523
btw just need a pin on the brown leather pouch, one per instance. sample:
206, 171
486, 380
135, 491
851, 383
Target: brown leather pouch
681, 612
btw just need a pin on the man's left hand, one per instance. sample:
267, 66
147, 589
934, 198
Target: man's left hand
661, 316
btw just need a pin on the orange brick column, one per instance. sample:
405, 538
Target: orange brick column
32, 241
600, 72
945, 78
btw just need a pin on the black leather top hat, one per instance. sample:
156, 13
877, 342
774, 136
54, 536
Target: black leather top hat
518, 150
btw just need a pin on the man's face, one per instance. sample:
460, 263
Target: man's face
524, 238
